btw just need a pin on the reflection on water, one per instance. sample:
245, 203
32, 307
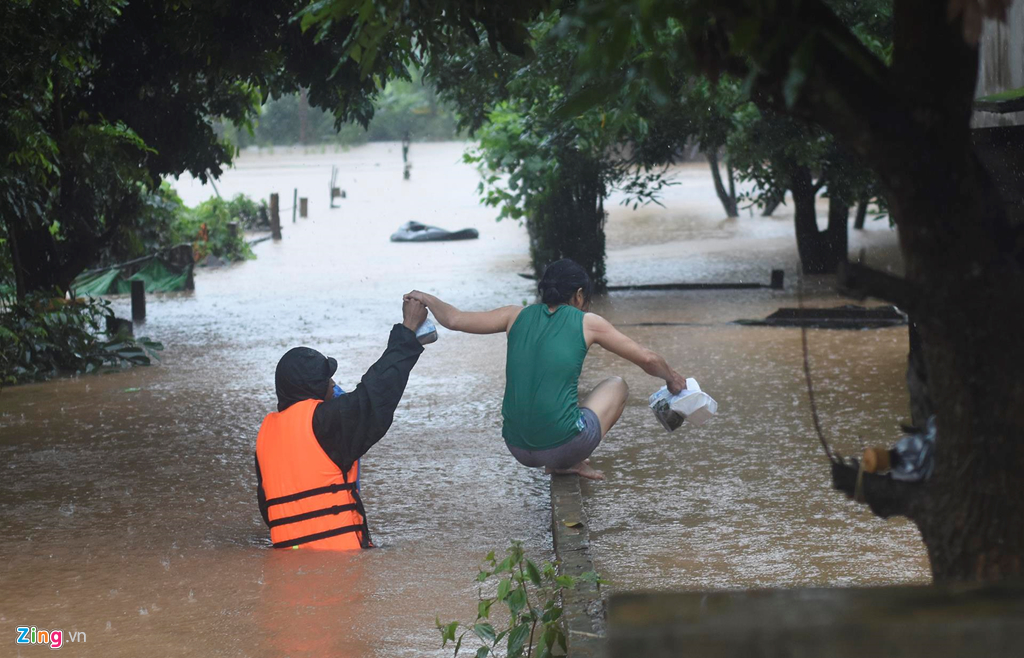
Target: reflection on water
128, 499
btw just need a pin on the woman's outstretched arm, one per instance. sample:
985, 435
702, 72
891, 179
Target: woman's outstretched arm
598, 330
484, 322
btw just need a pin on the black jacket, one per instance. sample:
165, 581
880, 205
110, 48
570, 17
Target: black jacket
349, 425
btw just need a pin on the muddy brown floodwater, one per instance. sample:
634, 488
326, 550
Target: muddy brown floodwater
128, 504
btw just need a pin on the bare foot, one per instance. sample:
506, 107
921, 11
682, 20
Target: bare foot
583, 469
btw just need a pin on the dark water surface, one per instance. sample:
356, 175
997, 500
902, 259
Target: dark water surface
128, 505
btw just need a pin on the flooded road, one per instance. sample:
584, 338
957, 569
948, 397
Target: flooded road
128, 500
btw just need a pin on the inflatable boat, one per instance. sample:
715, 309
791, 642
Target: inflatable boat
416, 232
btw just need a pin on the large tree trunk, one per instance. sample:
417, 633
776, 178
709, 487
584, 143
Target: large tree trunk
971, 288
820, 251
964, 262
728, 199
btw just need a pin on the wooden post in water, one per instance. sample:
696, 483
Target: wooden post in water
335, 192
138, 301
295, 196
304, 207
182, 256
275, 216
777, 278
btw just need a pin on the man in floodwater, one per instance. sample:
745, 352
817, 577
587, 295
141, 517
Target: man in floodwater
307, 453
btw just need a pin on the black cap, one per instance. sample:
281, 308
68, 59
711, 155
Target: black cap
302, 374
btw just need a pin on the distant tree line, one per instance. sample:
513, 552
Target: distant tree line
403, 107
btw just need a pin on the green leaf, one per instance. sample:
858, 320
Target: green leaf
485, 632
483, 609
482, 652
552, 614
503, 588
533, 573
517, 600
447, 631
516, 640
506, 565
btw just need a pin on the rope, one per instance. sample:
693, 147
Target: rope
807, 374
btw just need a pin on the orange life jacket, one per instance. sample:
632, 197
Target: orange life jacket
310, 501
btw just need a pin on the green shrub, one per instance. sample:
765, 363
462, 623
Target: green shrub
532, 597
43, 336
206, 227
166, 221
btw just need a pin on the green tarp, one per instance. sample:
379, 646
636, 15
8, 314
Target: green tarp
157, 274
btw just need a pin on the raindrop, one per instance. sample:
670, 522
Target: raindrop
143, 612
108, 626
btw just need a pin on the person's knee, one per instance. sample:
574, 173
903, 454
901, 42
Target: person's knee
620, 385
621, 389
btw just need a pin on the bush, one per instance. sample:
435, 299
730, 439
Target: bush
530, 597
43, 336
166, 221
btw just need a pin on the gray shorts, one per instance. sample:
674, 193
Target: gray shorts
568, 454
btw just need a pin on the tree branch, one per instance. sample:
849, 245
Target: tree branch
858, 281
845, 88
883, 495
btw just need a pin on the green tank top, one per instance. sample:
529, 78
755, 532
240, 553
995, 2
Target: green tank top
542, 372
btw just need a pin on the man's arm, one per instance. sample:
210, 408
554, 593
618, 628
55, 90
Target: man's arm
349, 425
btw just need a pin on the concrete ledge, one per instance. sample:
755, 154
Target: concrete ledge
583, 607
840, 623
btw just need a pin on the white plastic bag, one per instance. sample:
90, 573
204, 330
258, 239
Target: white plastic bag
692, 405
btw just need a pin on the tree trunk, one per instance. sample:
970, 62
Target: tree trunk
964, 262
820, 251
569, 222
972, 311
772, 203
19, 272
965, 265
732, 189
728, 200
40, 263
917, 379
862, 213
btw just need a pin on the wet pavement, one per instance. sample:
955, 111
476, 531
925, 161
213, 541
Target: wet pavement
128, 501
